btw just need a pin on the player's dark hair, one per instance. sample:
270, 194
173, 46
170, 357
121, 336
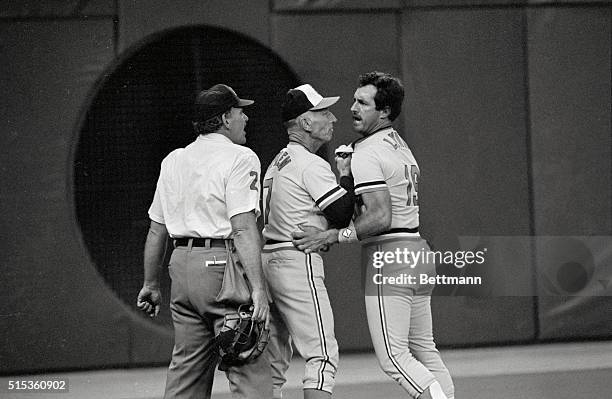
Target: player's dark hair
389, 91
211, 125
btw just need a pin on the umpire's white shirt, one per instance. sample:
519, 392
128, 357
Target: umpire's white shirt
203, 185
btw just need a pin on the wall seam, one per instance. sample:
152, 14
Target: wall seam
530, 180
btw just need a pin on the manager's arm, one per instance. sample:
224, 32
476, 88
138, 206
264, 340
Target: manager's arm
374, 219
340, 212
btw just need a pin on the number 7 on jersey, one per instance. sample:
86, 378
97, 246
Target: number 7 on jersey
266, 194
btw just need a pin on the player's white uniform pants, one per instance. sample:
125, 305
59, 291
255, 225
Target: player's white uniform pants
301, 312
399, 317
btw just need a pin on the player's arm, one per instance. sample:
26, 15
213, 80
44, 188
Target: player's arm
375, 216
336, 201
149, 297
247, 242
340, 212
374, 219
346, 182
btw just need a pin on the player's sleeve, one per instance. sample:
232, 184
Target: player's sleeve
242, 188
367, 172
335, 201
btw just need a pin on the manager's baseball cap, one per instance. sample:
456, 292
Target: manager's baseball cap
304, 98
216, 100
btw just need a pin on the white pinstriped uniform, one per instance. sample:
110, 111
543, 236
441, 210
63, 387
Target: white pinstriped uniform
399, 316
297, 187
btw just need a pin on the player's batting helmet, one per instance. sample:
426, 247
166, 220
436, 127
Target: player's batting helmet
241, 340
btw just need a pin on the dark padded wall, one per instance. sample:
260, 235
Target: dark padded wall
465, 113
570, 96
56, 311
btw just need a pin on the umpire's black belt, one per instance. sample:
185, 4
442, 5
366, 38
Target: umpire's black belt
200, 242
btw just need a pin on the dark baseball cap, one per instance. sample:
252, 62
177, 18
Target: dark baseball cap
304, 98
216, 100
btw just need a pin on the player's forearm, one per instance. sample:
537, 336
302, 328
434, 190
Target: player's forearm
247, 243
368, 224
154, 251
375, 216
371, 222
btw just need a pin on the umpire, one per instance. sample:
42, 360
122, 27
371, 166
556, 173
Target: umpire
207, 198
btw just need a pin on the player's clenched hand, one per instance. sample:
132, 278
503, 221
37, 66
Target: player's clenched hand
343, 159
312, 240
261, 307
149, 300
343, 164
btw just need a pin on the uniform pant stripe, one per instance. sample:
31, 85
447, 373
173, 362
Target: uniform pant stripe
383, 323
315, 299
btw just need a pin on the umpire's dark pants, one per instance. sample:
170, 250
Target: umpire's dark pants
197, 273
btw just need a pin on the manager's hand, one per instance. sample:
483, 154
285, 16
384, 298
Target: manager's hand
310, 239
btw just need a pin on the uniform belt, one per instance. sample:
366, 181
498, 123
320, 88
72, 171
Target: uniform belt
200, 242
401, 230
275, 245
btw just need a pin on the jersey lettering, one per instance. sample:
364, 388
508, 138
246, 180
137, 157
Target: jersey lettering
255, 176
412, 175
395, 140
267, 194
282, 160
393, 144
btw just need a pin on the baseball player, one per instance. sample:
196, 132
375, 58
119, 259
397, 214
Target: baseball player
207, 199
386, 182
300, 189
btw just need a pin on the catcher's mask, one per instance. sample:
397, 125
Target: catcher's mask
241, 340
